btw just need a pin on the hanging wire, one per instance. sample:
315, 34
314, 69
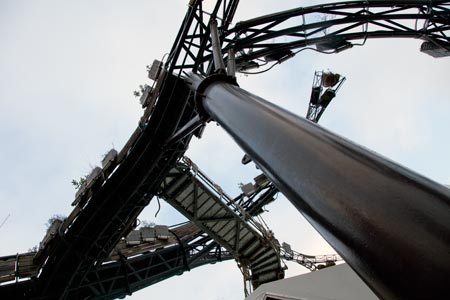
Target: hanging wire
260, 72
427, 37
4, 220
365, 26
246, 276
159, 206
264, 222
292, 55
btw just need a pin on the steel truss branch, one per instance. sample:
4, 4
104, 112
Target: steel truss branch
121, 278
334, 27
329, 27
189, 191
112, 209
193, 41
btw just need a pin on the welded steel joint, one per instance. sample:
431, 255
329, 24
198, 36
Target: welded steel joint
390, 224
199, 84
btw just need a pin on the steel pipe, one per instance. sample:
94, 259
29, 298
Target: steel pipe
391, 225
216, 47
231, 63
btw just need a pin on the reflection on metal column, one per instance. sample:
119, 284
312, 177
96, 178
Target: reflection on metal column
389, 223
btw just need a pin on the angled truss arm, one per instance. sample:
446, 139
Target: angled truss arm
193, 43
335, 27
121, 278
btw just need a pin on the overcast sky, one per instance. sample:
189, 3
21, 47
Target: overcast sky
67, 73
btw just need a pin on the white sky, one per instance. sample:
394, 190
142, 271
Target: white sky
67, 72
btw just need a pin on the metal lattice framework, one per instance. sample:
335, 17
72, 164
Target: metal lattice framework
193, 40
319, 100
108, 211
128, 270
127, 275
334, 27
310, 262
188, 190
329, 27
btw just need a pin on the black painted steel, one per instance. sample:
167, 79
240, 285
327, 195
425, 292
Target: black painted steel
113, 208
340, 25
193, 40
390, 224
111, 211
120, 279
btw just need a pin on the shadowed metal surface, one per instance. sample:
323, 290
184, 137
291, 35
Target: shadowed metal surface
348, 193
390, 224
129, 269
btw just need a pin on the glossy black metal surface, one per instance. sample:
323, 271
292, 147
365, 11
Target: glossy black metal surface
390, 224
354, 198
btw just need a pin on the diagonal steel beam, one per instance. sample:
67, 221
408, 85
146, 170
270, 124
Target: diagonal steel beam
390, 224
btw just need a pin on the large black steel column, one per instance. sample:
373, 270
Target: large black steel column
391, 225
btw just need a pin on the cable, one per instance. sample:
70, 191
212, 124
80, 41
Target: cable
317, 50
365, 36
4, 221
292, 55
179, 224
159, 206
260, 72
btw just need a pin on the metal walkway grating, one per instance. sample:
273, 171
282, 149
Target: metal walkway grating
205, 204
